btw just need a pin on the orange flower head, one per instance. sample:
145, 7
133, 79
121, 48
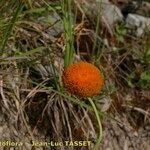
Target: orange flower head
83, 79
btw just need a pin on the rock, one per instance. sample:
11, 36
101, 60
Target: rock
130, 7
138, 23
144, 9
54, 21
111, 13
108, 12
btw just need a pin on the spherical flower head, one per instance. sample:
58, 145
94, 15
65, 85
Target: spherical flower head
83, 79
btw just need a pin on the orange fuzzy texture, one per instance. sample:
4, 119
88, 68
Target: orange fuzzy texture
83, 79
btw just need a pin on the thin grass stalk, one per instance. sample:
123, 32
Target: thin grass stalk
74, 100
147, 50
10, 26
56, 76
99, 124
68, 28
97, 28
30, 3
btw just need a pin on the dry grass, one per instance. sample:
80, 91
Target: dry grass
33, 103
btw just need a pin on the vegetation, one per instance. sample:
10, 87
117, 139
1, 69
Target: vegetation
38, 39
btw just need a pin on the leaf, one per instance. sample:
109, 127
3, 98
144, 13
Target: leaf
147, 55
31, 52
9, 28
130, 80
144, 81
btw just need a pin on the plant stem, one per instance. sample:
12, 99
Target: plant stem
69, 31
99, 124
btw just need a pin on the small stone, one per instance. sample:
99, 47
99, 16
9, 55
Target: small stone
138, 23
111, 13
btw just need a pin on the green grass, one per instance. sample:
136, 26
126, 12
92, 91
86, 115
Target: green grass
27, 54
9, 26
68, 23
32, 62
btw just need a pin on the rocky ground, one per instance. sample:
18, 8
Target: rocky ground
131, 131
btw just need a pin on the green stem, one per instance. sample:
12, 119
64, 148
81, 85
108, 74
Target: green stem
99, 124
